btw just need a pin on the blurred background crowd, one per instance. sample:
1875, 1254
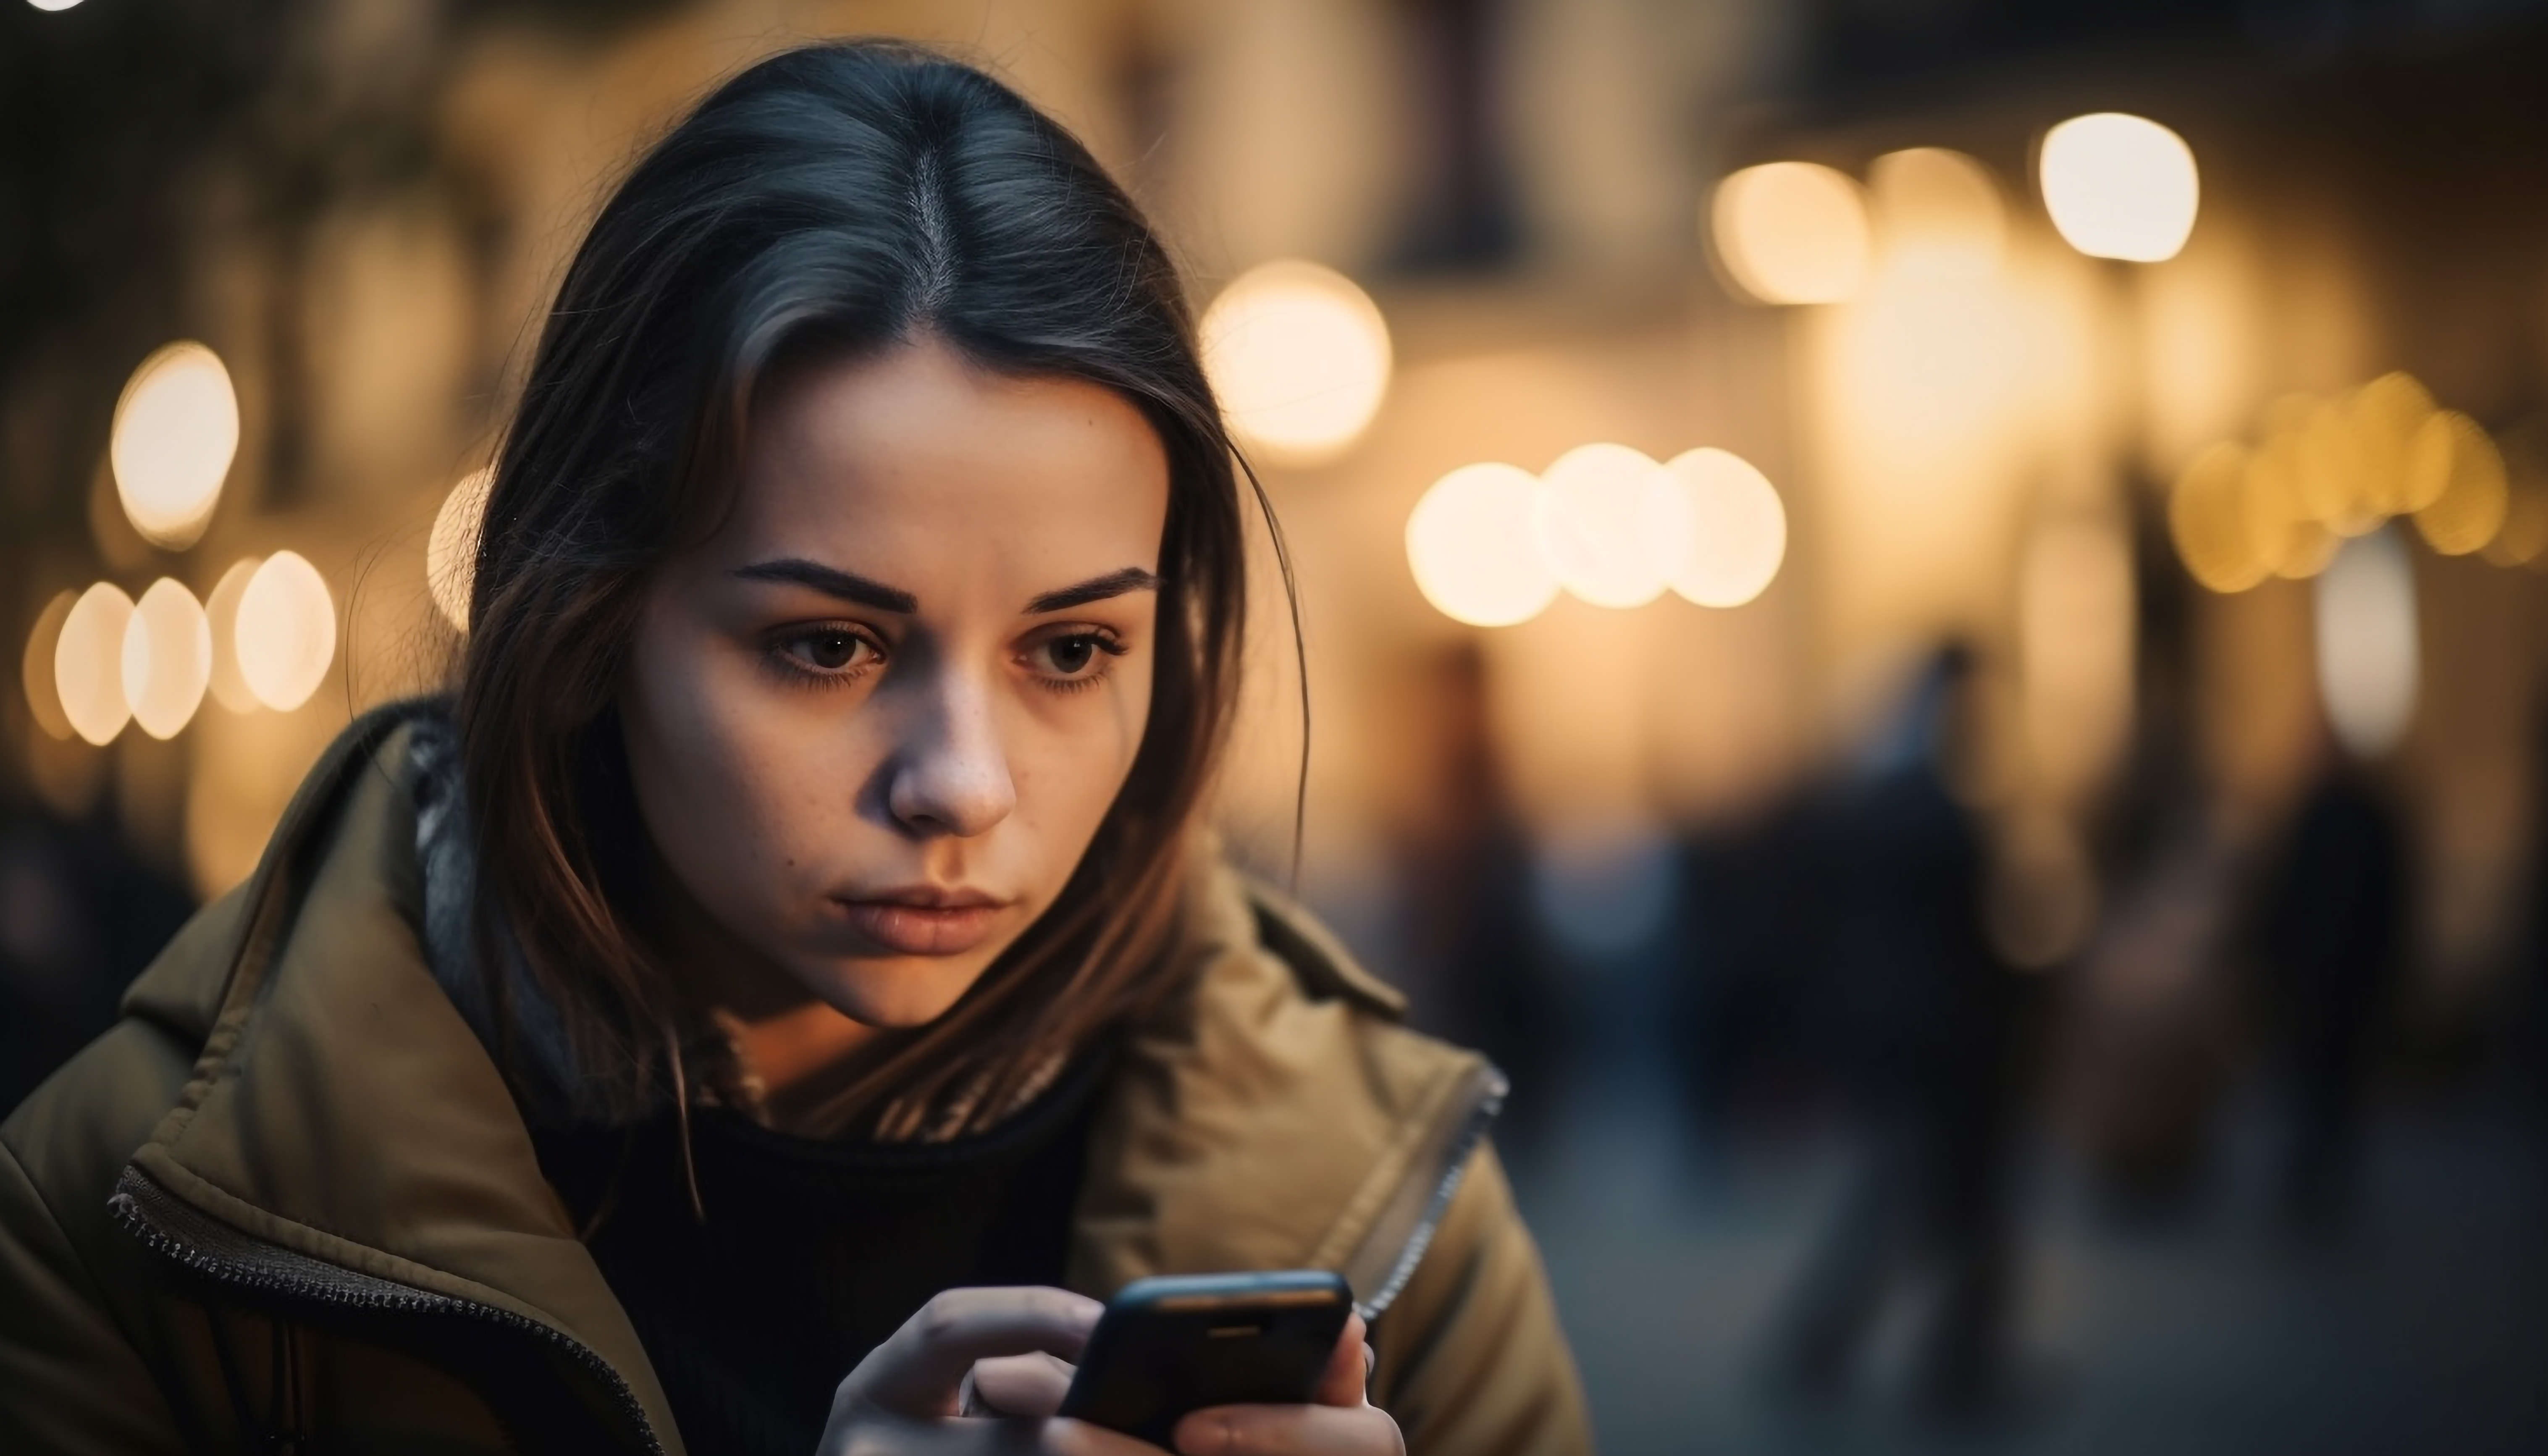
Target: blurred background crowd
1926, 615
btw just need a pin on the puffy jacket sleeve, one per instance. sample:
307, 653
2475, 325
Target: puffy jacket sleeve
1472, 1360
69, 1382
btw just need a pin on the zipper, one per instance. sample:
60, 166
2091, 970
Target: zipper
178, 1230
1388, 1255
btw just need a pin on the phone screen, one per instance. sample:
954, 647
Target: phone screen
1178, 1343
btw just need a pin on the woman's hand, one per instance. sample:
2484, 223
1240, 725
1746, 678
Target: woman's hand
906, 1396
1005, 1353
1342, 1421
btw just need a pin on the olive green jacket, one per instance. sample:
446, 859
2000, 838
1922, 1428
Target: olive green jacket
288, 1203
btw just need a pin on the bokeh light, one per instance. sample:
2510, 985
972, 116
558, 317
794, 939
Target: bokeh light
54, 5
44, 699
1300, 357
1594, 523
88, 664
2289, 541
2328, 460
451, 551
167, 658
2119, 186
1472, 543
2460, 493
1938, 213
221, 613
2331, 470
2386, 415
1721, 532
2368, 662
286, 632
2206, 519
1793, 233
176, 431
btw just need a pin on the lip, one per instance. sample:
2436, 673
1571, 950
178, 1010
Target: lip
923, 920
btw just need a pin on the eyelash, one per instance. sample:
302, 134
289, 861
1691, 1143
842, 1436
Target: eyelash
803, 674
1096, 637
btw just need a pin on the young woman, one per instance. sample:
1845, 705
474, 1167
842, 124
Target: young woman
785, 985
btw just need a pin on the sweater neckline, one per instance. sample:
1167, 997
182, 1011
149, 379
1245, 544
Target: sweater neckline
1062, 1099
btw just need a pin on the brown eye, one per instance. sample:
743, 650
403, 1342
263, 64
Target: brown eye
1070, 660
1071, 656
830, 650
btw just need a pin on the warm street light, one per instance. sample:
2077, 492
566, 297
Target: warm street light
222, 614
1300, 356
2119, 186
88, 664
1938, 213
167, 658
1473, 545
1721, 540
176, 431
286, 632
1793, 233
1595, 522
451, 551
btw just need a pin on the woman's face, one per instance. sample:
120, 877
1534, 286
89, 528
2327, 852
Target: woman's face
874, 720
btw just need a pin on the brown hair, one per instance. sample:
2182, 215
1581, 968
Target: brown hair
827, 202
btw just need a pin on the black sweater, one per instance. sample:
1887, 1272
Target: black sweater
811, 1252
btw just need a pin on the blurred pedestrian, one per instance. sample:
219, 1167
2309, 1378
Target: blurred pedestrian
1920, 1012
1483, 977
2330, 945
1755, 915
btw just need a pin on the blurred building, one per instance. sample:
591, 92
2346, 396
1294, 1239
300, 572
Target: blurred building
358, 208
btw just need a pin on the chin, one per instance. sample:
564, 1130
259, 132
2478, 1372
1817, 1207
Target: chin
898, 994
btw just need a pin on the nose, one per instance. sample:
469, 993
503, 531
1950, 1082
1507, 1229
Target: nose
951, 775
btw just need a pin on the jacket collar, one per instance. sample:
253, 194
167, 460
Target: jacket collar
342, 1113
1278, 1116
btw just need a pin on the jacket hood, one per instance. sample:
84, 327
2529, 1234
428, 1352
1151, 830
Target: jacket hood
344, 1125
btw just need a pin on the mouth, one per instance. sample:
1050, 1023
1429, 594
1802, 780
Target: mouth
923, 920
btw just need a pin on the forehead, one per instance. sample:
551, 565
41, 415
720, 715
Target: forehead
923, 471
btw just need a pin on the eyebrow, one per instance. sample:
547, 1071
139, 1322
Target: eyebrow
831, 581
1096, 589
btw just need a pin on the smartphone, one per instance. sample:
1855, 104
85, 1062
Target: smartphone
1177, 1343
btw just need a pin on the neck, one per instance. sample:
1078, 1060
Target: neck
786, 1049
784, 1034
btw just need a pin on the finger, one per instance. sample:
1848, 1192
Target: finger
918, 1368
1347, 1366
1022, 1385
1289, 1430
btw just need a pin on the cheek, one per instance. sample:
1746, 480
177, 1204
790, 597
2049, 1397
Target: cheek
1130, 721
666, 724
1081, 762
705, 767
